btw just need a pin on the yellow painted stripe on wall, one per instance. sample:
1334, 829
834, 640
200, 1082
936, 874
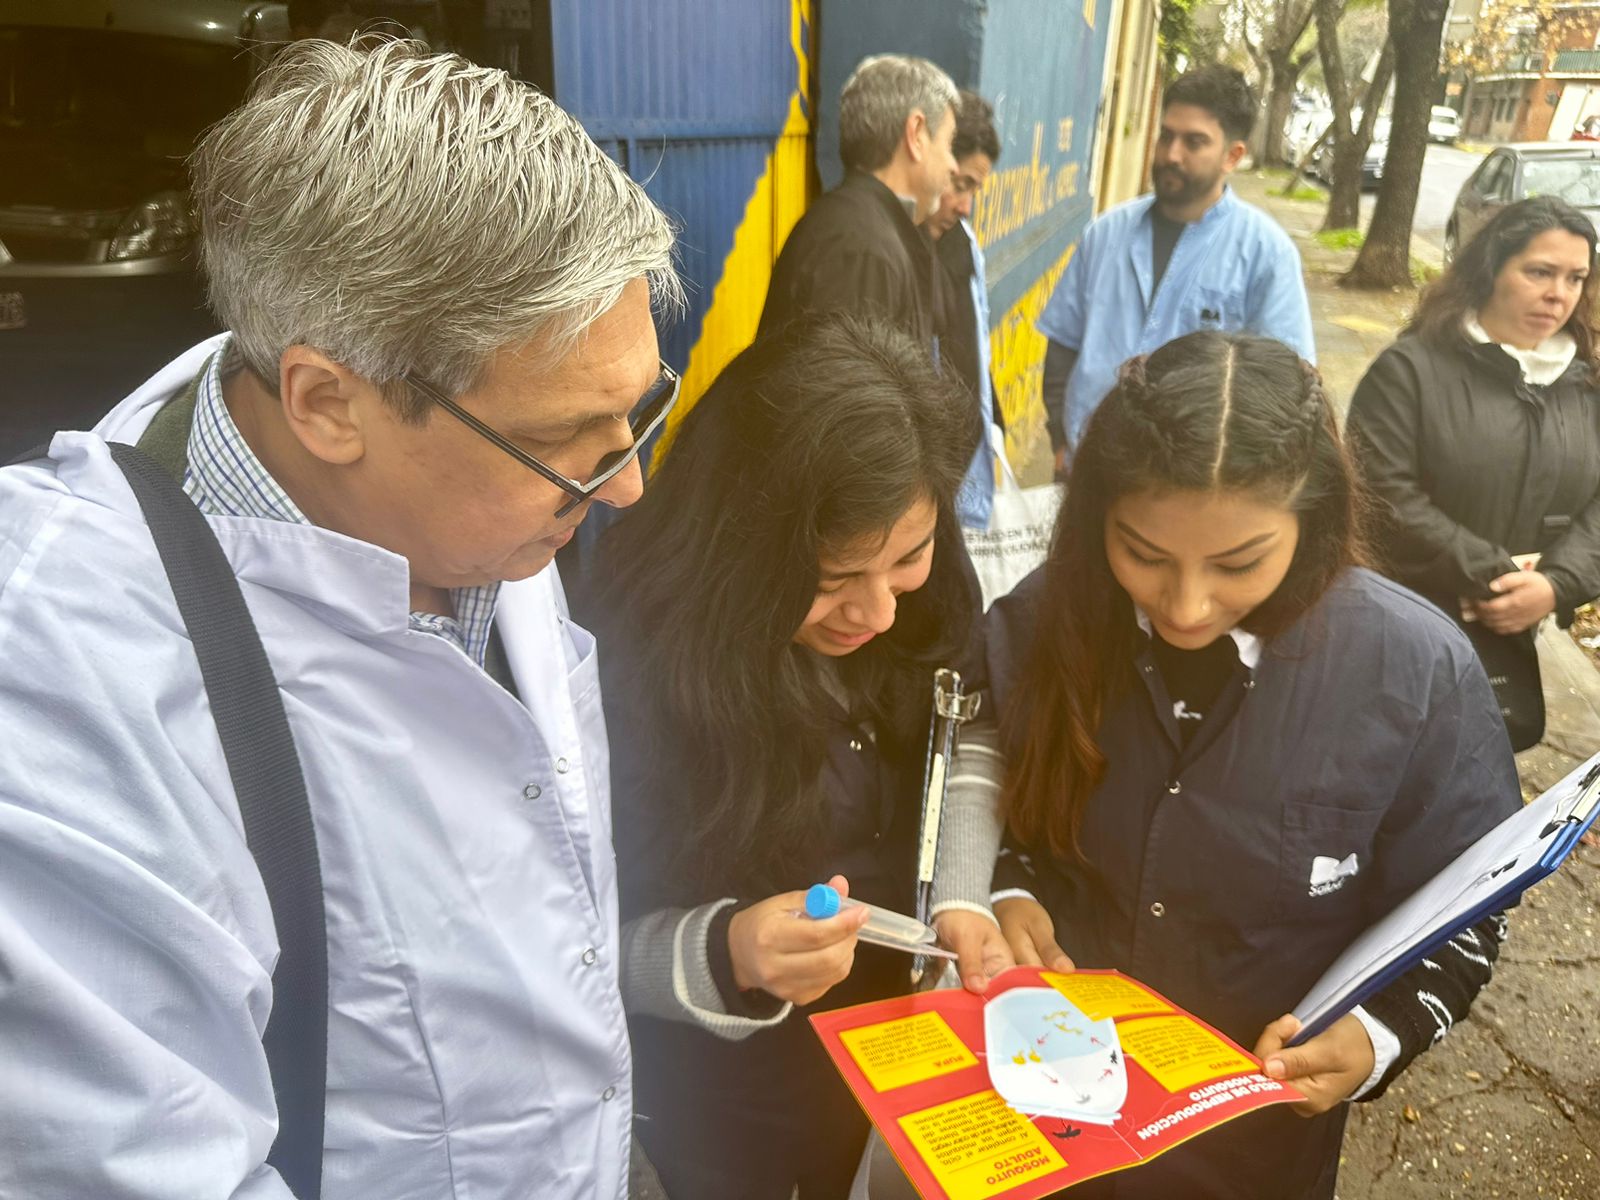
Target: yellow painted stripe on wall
777, 203
1016, 349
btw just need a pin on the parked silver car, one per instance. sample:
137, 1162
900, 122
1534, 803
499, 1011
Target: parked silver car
100, 105
1569, 171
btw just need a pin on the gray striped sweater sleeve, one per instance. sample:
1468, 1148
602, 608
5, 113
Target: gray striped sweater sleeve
969, 839
666, 972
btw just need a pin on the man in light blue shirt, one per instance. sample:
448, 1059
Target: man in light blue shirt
1191, 255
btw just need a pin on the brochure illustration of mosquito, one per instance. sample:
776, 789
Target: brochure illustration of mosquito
1046, 1058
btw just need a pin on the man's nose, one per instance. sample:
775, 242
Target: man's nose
623, 488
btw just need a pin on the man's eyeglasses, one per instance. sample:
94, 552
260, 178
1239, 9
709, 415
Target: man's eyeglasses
643, 421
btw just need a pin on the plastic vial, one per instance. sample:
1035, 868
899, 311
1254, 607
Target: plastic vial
883, 927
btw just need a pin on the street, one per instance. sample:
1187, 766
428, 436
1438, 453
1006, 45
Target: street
1444, 170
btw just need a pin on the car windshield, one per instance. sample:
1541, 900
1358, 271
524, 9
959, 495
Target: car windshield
1575, 180
88, 115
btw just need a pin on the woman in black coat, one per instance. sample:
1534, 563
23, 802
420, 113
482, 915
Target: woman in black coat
770, 617
1479, 429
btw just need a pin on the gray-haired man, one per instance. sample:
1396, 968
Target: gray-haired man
858, 249
439, 292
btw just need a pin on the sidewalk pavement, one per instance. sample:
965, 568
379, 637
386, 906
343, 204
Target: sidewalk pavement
1509, 1104
1350, 327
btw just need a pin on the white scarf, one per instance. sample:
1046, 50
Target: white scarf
1543, 364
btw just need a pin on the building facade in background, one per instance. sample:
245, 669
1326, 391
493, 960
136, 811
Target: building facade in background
1530, 71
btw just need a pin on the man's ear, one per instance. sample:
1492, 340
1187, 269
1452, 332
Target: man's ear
917, 136
325, 404
1232, 158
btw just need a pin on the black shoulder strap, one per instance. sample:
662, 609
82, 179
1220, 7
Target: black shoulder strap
265, 769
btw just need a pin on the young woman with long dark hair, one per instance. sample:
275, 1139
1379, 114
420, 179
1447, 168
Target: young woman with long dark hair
1479, 429
1231, 747
771, 616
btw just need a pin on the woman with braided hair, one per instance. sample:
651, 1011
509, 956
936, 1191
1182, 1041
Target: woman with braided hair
1231, 747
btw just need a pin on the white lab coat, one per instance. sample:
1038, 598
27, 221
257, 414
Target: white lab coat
477, 1046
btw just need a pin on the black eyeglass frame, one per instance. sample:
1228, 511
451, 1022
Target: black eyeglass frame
652, 410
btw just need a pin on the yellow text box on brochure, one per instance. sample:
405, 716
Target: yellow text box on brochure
907, 1050
1102, 996
1180, 1053
978, 1147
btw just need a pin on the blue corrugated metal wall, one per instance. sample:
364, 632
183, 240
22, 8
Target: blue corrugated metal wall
691, 98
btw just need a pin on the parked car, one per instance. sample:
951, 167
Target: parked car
1304, 127
1371, 164
100, 104
1377, 151
1568, 170
1444, 125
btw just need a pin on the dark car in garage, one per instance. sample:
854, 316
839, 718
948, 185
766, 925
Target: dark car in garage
1569, 171
100, 105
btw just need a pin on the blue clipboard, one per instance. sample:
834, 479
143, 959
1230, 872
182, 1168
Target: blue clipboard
1490, 875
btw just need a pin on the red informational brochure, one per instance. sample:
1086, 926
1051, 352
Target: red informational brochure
1043, 1082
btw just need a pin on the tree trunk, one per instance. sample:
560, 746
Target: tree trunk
1280, 101
1344, 186
1344, 200
1286, 71
1291, 19
1385, 258
1344, 190
1263, 85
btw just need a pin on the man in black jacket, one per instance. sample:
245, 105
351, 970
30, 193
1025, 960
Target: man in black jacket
859, 248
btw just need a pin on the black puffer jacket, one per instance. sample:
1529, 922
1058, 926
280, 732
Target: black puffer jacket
1474, 464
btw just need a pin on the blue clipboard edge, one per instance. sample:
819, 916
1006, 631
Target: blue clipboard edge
1507, 897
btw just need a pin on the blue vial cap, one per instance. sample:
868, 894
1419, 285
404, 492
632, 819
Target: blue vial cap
822, 902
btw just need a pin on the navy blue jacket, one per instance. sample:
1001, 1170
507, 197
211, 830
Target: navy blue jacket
1367, 728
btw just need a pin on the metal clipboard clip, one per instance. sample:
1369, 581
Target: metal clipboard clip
952, 708
1583, 803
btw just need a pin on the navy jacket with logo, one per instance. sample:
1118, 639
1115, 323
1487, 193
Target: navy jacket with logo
1368, 728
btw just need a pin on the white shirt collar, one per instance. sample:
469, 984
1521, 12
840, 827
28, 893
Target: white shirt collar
1248, 644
